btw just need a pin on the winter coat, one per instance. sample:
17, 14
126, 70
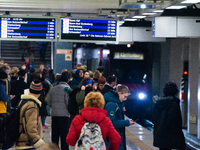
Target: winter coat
99, 115
106, 88
115, 112
30, 124
168, 124
17, 88
4, 98
76, 79
58, 100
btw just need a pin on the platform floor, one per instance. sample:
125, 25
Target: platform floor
137, 137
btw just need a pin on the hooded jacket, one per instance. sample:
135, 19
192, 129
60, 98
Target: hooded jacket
115, 112
58, 100
30, 124
168, 123
106, 88
76, 79
100, 116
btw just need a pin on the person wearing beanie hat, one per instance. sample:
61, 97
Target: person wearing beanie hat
58, 102
30, 112
93, 110
101, 82
64, 77
36, 87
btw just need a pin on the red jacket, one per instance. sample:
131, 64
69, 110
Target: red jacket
100, 116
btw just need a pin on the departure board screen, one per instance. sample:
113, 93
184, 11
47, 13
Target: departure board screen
88, 29
28, 28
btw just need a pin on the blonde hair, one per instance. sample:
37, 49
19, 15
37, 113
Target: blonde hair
94, 99
123, 89
96, 74
48, 146
14, 72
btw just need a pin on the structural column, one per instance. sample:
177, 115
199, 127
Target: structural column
193, 75
63, 56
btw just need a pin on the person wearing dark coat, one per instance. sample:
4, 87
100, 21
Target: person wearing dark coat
17, 88
77, 77
111, 82
114, 106
167, 120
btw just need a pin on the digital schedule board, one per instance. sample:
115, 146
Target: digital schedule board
89, 30
28, 28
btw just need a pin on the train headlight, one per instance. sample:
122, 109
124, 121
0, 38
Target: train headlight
141, 96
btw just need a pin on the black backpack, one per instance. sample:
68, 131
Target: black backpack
73, 108
9, 124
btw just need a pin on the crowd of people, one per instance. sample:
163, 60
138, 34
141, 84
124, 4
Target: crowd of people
96, 99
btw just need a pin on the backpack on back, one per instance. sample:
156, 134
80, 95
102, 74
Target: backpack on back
9, 124
90, 138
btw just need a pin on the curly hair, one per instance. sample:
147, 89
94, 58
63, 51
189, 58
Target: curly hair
170, 89
94, 99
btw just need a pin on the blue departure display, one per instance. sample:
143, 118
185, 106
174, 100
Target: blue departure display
28, 28
88, 29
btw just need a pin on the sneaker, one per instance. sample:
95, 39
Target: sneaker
44, 127
46, 124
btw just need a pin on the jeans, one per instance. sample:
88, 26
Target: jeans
43, 118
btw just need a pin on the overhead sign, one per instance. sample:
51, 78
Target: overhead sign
27, 28
128, 56
88, 29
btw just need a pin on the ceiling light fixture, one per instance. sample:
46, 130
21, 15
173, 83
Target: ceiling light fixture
158, 11
130, 19
190, 1
143, 6
138, 17
175, 7
149, 14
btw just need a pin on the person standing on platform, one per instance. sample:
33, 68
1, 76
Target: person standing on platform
93, 111
111, 82
77, 77
28, 64
42, 48
114, 106
167, 120
58, 101
30, 119
4, 99
17, 87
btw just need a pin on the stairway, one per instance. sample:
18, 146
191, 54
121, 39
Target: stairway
12, 54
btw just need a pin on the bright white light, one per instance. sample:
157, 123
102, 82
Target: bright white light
143, 6
141, 95
130, 19
190, 1
158, 11
139, 17
128, 45
175, 7
149, 14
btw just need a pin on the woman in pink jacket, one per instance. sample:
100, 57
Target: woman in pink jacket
93, 110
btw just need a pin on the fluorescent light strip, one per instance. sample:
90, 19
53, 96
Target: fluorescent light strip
190, 1
138, 17
130, 19
158, 11
149, 14
175, 7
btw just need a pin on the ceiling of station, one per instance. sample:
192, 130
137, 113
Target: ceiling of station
87, 8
